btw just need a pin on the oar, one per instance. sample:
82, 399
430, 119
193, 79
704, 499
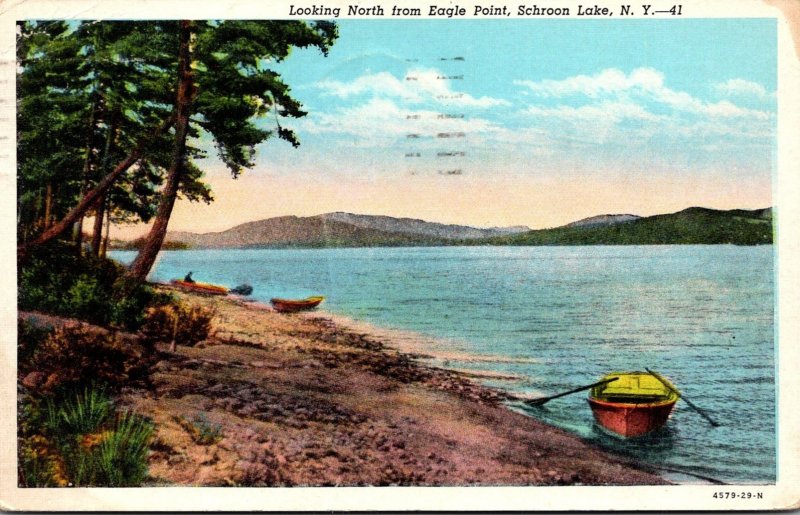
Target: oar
542, 400
687, 401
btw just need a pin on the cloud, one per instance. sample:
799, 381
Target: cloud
381, 120
643, 86
636, 119
608, 112
742, 88
607, 82
611, 120
420, 85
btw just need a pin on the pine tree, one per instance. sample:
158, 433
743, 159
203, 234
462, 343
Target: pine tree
98, 98
117, 77
224, 79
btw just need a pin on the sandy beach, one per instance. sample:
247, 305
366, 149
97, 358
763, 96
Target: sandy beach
273, 399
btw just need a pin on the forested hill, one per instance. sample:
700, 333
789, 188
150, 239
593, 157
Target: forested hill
337, 230
695, 225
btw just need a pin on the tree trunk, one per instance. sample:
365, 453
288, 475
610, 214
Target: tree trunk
87, 168
104, 248
91, 197
183, 103
97, 233
48, 205
99, 218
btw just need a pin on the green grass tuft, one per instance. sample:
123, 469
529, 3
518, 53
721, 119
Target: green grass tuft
122, 457
85, 414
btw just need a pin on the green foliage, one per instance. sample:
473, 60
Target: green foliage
51, 123
90, 91
131, 299
78, 440
85, 98
122, 456
39, 465
207, 433
201, 430
84, 299
54, 279
236, 85
138, 243
116, 457
698, 226
83, 414
37, 462
29, 337
179, 322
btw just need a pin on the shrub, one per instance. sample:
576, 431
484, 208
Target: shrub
201, 430
79, 356
78, 440
39, 464
131, 299
29, 337
54, 279
178, 322
86, 299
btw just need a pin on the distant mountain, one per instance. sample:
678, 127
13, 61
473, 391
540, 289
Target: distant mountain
695, 225
336, 230
511, 229
420, 227
599, 220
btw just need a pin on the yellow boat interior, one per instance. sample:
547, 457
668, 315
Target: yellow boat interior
634, 388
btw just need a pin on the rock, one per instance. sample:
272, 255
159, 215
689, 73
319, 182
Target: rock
249, 434
230, 403
34, 380
162, 366
248, 410
219, 387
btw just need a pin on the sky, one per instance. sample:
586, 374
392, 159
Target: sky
515, 122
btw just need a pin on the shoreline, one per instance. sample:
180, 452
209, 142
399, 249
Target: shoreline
414, 343
308, 400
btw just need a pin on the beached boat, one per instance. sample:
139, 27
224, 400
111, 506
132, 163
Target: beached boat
291, 306
634, 404
210, 289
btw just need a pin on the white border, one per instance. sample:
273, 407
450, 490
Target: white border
786, 494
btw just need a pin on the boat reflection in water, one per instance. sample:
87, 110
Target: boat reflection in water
655, 447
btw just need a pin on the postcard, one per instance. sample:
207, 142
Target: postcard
400, 256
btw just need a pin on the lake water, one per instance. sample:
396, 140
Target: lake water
561, 317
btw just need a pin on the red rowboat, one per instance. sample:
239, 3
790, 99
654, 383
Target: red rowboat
635, 404
292, 306
209, 289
